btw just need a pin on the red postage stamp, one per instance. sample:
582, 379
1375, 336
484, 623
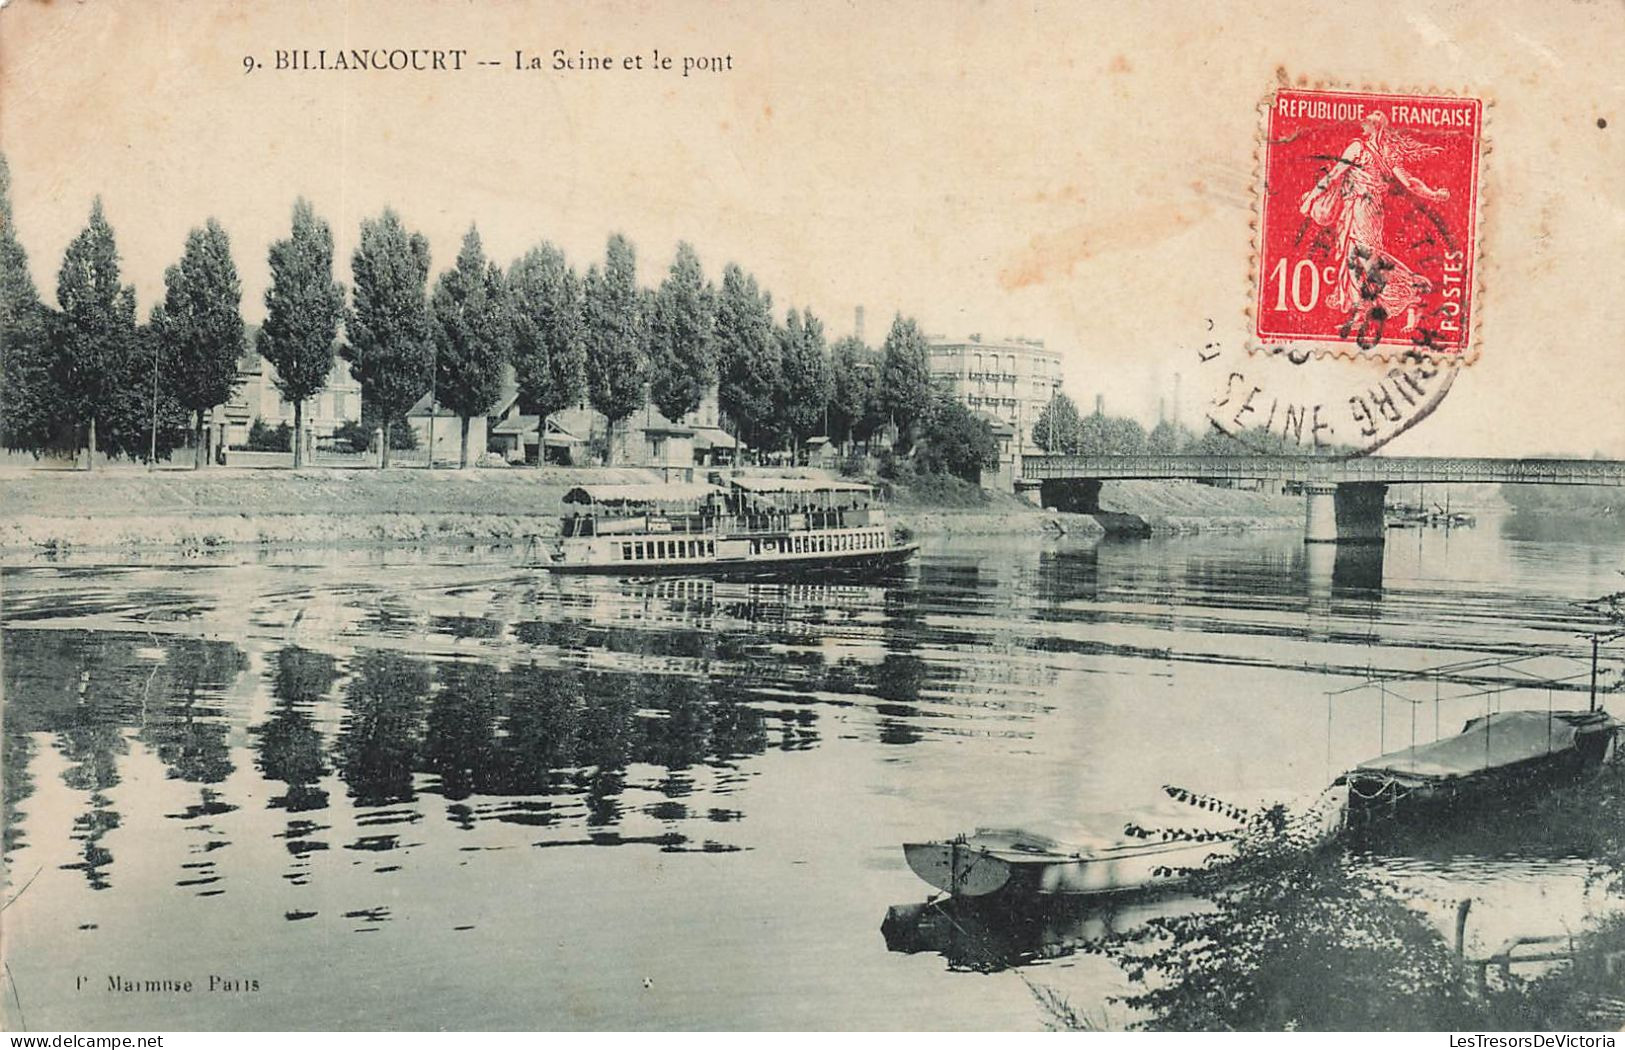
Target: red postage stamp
1367, 237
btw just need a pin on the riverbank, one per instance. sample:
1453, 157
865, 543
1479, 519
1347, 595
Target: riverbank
224, 506
948, 506
1144, 508
1184, 507
129, 508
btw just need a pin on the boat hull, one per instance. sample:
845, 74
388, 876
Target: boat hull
1373, 799
979, 869
764, 566
961, 870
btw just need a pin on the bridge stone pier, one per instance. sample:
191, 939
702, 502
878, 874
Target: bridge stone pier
1343, 498
1073, 495
1347, 513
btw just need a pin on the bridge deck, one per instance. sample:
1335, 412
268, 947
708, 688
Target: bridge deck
1426, 469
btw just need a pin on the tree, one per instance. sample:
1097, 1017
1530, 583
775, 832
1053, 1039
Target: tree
905, 379
303, 309
1165, 439
28, 396
874, 418
473, 335
549, 354
1215, 442
150, 421
747, 355
390, 344
804, 381
94, 335
1056, 430
616, 337
954, 440
851, 377
1093, 435
200, 327
1124, 437
682, 364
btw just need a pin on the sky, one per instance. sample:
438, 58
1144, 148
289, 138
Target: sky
1081, 173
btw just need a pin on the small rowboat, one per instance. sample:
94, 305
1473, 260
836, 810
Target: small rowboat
1203, 835
995, 860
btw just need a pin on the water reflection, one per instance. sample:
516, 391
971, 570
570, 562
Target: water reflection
389, 744
987, 936
378, 746
1068, 575
514, 746
81, 691
185, 723
1357, 570
291, 749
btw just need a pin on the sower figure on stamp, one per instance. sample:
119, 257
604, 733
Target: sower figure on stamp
1371, 282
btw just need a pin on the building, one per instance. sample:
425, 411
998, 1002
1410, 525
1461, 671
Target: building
1010, 381
646, 438
1002, 477
820, 453
447, 449
257, 398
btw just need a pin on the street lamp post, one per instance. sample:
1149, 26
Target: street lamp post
152, 451
434, 405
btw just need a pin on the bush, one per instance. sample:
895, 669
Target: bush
894, 467
1291, 938
352, 436
854, 464
1296, 938
402, 438
262, 438
939, 490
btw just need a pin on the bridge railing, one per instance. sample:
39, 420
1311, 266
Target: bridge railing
1460, 469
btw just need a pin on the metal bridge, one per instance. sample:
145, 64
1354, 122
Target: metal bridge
1383, 469
1343, 497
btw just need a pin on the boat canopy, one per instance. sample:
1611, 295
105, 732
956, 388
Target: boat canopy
772, 486
642, 495
1491, 742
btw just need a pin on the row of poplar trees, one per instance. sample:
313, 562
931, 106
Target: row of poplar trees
87, 375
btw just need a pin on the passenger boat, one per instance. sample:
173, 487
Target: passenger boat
751, 526
1494, 758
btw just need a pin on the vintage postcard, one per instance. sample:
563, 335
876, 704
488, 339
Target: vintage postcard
735, 516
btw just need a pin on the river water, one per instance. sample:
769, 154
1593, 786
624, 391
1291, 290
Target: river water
442, 789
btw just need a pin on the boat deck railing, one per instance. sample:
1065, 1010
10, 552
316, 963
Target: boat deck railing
749, 524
